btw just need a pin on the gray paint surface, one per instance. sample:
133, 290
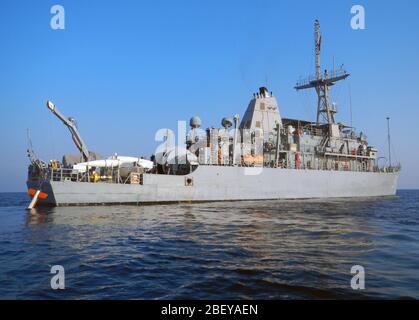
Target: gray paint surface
219, 183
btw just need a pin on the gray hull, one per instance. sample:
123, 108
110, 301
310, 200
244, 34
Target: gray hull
219, 183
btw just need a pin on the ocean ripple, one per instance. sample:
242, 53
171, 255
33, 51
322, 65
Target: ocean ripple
226, 250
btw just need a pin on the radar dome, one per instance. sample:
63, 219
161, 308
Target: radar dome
195, 122
226, 123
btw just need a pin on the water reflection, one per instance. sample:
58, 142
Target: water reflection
39, 216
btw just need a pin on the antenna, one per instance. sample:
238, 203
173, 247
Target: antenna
388, 138
317, 47
350, 105
28, 135
32, 155
322, 82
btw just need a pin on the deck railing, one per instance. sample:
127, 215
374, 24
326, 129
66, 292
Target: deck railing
68, 174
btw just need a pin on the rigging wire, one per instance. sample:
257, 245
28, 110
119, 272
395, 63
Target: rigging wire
51, 138
303, 95
394, 153
350, 105
29, 140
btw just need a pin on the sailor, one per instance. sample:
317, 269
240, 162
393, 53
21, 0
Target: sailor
94, 176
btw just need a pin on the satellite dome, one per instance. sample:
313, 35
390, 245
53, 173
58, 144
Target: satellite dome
195, 122
226, 123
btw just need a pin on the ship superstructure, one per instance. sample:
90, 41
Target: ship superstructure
264, 157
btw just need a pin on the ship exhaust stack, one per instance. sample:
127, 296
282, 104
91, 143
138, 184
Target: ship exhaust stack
262, 113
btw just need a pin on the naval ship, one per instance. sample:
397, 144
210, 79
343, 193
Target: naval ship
263, 156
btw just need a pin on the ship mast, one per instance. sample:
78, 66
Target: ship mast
322, 83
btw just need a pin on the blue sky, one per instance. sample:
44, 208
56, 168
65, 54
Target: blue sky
125, 69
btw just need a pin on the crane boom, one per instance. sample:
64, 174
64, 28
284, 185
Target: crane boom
71, 125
